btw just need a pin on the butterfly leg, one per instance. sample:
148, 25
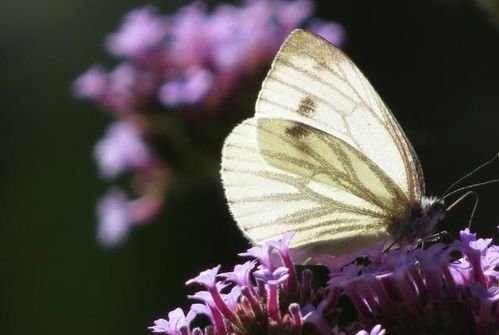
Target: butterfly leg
435, 238
391, 245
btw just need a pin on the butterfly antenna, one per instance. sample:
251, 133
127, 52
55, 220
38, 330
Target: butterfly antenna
460, 199
446, 193
493, 181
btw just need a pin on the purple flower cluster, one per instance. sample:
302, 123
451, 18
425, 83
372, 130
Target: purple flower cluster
444, 289
181, 66
123, 150
192, 56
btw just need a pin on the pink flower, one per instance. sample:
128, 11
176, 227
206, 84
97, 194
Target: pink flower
177, 320
91, 84
188, 90
114, 218
122, 149
142, 31
402, 291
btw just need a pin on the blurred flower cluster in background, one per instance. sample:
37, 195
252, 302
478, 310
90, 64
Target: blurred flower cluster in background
181, 83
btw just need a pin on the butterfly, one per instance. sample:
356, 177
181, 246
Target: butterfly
324, 157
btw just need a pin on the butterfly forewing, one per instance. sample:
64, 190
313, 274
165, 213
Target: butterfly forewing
314, 83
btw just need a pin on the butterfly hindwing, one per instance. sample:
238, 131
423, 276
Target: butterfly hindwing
281, 175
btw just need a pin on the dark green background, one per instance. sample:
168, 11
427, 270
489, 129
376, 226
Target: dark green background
436, 64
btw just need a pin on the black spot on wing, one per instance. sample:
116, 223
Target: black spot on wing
298, 131
307, 106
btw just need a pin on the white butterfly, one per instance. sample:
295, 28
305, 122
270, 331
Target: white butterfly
324, 157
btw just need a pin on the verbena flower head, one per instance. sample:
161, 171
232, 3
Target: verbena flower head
180, 74
445, 289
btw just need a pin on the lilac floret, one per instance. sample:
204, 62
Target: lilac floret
377, 330
331, 31
113, 212
176, 320
190, 89
117, 215
276, 277
206, 278
122, 149
142, 30
92, 84
262, 254
241, 274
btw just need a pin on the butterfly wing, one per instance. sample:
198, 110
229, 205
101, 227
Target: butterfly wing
323, 155
282, 175
315, 83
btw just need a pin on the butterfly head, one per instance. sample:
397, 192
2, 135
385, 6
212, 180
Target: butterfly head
419, 222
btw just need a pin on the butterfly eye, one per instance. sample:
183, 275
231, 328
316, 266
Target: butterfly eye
437, 209
438, 206
416, 212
